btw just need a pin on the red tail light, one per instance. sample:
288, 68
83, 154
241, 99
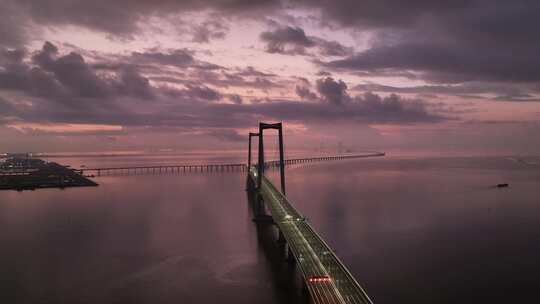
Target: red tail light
319, 279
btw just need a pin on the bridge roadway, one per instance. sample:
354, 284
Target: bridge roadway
211, 167
313, 256
164, 169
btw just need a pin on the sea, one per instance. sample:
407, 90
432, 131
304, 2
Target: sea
411, 229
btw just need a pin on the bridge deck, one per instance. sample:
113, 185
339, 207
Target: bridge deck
314, 257
213, 167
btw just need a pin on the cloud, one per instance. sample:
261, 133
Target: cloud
209, 30
291, 40
13, 32
202, 92
303, 90
124, 18
132, 83
444, 63
446, 42
72, 72
519, 97
305, 93
332, 48
332, 91
58, 88
471, 89
50, 86
368, 108
178, 58
286, 40
226, 135
251, 71
246, 78
454, 42
235, 98
390, 13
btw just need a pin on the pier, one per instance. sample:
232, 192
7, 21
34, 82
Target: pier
33, 173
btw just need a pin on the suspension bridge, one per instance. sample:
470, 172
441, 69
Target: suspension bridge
327, 279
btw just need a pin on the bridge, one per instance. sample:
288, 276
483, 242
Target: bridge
157, 169
232, 167
327, 279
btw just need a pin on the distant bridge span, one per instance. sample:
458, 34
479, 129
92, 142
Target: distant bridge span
129, 170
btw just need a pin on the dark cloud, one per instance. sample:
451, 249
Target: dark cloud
385, 13
305, 93
323, 73
134, 84
393, 107
518, 98
469, 89
226, 135
303, 90
209, 30
178, 58
445, 63
235, 98
450, 42
11, 56
286, 40
125, 17
6, 108
251, 71
363, 109
241, 78
332, 91
54, 84
294, 41
13, 31
202, 92
68, 80
72, 72
368, 108
332, 48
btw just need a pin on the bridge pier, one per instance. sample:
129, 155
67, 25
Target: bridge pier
281, 237
289, 256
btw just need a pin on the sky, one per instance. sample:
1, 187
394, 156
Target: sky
178, 75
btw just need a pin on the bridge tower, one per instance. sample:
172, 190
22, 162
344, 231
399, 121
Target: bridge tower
249, 148
261, 165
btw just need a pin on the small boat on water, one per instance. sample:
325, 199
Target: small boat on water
502, 185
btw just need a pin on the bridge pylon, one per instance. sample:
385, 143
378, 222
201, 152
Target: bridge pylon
249, 147
261, 165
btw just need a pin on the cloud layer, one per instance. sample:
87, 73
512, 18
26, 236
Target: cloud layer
227, 64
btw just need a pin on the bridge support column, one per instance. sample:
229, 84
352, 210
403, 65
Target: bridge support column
281, 237
289, 256
259, 211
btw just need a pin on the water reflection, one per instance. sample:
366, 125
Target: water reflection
412, 230
138, 239
428, 230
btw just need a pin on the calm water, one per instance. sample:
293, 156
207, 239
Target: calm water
411, 230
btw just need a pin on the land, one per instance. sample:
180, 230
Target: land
22, 172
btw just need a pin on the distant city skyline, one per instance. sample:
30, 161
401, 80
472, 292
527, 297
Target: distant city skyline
149, 75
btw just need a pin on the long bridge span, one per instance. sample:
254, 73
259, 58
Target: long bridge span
327, 279
231, 167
